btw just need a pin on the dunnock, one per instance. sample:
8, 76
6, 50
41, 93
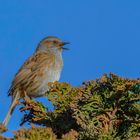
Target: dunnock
42, 67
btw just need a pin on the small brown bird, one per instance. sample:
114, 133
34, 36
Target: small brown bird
42, 67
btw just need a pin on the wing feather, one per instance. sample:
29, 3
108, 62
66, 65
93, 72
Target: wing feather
29, 74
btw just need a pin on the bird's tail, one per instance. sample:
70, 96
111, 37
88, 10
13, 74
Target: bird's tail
11, 109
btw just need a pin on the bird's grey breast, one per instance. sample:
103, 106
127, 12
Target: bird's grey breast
52, 73
56, 68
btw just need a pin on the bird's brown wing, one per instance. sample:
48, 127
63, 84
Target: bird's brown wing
29, 74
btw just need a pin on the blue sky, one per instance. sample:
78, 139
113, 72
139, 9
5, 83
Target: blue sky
104, 36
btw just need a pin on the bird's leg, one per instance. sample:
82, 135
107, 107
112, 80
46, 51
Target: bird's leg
26, 97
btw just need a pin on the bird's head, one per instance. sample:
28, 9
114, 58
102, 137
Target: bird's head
52, 43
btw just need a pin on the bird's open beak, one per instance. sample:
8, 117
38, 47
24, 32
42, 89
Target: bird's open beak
63, 44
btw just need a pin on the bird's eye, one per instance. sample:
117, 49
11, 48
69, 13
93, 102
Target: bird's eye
55, 42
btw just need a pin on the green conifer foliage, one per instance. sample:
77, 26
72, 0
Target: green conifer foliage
107, 108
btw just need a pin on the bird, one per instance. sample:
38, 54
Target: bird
44, 66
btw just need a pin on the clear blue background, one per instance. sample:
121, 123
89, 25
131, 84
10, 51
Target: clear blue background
104, 36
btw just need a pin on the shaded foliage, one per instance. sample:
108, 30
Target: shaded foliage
103, 109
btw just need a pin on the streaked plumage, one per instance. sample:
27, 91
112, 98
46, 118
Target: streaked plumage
42, 67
